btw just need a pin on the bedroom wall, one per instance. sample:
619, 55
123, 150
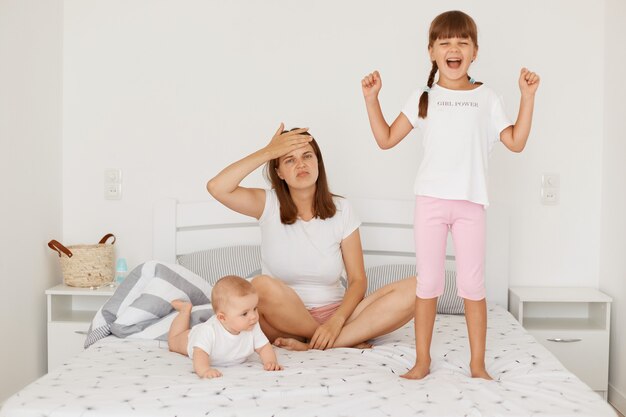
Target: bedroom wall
612, 259
171, 92
30, 166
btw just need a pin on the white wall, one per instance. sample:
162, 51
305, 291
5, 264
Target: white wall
171, 92
30, 168
612, 259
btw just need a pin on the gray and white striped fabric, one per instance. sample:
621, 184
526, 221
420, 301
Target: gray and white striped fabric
379, 276
212, 264
140, 307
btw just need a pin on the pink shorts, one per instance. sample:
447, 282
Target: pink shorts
323, 313
434, 218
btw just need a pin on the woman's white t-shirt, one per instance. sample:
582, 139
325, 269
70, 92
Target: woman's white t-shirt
223, 347
306, 255
459, 131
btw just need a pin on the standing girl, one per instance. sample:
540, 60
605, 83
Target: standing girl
461, 120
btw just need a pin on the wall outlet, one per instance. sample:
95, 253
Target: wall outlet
550, 196
113, 191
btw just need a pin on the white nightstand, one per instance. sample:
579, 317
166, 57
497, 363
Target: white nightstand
70, 311
573, 323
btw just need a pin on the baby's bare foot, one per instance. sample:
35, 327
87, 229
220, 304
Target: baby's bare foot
363, 345
181, 306
290, 344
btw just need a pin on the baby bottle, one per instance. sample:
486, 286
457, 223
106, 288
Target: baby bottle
120, 270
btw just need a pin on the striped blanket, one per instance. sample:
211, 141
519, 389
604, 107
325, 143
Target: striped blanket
140, 307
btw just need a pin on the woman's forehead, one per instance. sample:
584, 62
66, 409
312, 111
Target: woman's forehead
299, 151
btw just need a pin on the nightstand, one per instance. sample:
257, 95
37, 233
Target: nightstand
70, 311
573, 323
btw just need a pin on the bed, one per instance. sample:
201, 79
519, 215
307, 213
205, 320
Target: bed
139, 377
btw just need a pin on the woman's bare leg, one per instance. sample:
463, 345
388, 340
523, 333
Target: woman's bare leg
476, 319
281, 311
179, 330
382, 312
280, 339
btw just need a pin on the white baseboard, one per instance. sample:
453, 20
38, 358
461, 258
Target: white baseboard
617, 399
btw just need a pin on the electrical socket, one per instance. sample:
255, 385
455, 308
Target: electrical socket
113, 191
550, 196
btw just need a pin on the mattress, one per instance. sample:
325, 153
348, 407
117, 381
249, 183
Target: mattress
122, 377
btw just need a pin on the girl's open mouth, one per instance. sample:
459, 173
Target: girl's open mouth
453, 63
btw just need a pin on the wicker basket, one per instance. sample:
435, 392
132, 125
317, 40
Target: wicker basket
86, 265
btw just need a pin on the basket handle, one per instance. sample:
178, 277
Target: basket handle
58, 247
106, 237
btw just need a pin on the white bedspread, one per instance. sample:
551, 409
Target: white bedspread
117, 377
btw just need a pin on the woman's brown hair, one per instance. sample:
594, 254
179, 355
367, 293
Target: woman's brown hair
323, 204
452, 24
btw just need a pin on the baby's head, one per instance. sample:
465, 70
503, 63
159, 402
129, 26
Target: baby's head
235, 302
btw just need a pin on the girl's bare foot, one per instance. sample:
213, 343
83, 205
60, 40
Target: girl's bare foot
480, 372
181, 306
290, 344
419, 371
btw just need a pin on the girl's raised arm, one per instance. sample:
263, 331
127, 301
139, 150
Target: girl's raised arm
386, 136
515, 137
224, 187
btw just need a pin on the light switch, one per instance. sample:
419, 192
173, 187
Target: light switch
550, 180
113, 176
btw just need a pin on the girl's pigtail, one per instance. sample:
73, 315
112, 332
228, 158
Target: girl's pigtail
423, 106
473, 81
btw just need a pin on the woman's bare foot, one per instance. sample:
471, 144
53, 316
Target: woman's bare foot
290, 344
295, 344
419, 371
181, 306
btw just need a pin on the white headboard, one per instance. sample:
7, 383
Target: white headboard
386, 234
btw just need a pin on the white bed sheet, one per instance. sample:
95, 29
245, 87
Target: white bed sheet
118, 377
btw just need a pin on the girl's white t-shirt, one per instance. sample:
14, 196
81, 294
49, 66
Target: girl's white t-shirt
459, 132
223, 347
306, 255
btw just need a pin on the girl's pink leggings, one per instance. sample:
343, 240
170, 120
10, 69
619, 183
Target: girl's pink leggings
434, 217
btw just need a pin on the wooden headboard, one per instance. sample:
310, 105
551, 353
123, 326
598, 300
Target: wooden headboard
386, 234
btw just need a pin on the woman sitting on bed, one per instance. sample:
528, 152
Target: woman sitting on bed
309, 236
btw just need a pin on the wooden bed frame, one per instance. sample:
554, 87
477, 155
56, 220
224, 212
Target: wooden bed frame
386, 234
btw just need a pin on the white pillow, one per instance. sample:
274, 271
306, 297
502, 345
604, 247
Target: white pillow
212, 264
379, 276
